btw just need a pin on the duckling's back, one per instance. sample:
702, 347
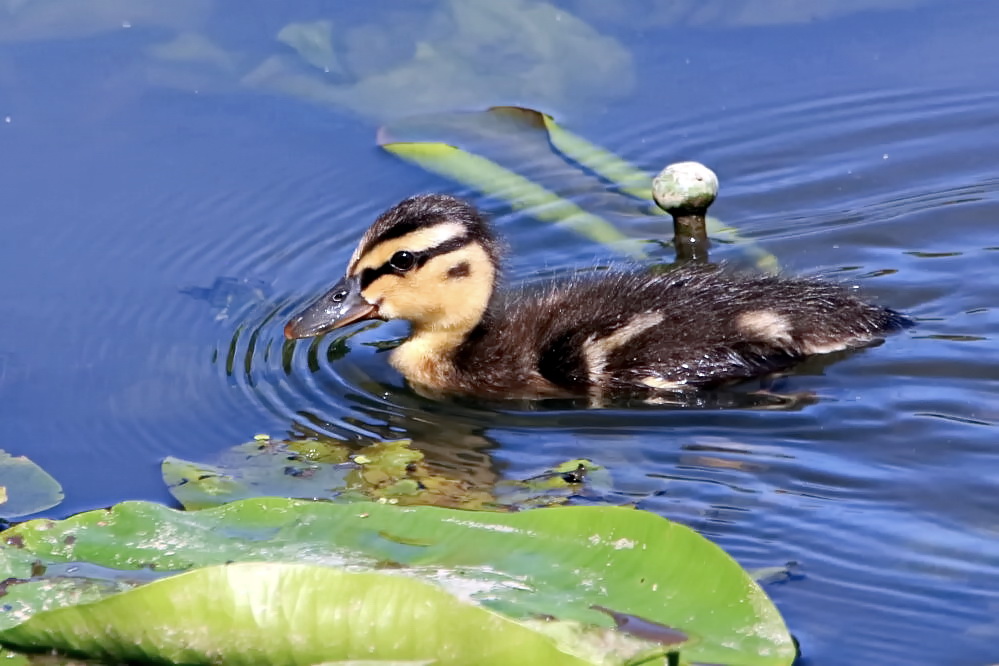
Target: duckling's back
636, 333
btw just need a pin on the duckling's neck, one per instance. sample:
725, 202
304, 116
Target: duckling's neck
446, 323
427, 356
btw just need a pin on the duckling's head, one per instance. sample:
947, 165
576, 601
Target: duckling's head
431, 260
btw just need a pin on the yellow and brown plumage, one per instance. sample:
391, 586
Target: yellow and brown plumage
433, 260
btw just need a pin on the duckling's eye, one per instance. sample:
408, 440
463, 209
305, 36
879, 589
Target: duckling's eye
402, 260
340, 295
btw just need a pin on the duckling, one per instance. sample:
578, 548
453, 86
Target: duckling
434, 261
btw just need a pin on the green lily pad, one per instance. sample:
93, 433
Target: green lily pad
254, 469
289, 614
558, 563
25, 488
390, 471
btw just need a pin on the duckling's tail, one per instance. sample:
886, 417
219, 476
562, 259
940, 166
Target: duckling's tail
895, 321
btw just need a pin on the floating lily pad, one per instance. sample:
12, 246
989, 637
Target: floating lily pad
292, 614
253, 469
25, 488
392, 471
556, 563
319, 469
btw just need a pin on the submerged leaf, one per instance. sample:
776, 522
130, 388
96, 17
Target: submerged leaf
313, 43
457, 54
520, 193
679, 14
191, 47
449, 145
628, 178
39, 20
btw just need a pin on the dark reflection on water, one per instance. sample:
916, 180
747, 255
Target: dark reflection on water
163, 217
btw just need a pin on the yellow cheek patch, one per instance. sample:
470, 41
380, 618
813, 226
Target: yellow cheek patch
433, 297
413, 296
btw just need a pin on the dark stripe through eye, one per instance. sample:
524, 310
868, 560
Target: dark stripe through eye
403, 261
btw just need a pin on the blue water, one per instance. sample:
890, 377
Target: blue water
166, 202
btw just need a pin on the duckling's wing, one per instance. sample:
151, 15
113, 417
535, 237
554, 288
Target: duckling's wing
694, 326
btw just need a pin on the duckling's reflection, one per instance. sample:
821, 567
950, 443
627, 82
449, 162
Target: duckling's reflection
453, 433
453, 446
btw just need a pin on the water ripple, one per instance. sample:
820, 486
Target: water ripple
821, 476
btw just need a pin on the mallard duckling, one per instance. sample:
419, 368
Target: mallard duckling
434, 261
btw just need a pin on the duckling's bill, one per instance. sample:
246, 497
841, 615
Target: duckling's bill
340, 306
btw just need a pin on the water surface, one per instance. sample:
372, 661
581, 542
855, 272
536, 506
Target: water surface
169, 197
